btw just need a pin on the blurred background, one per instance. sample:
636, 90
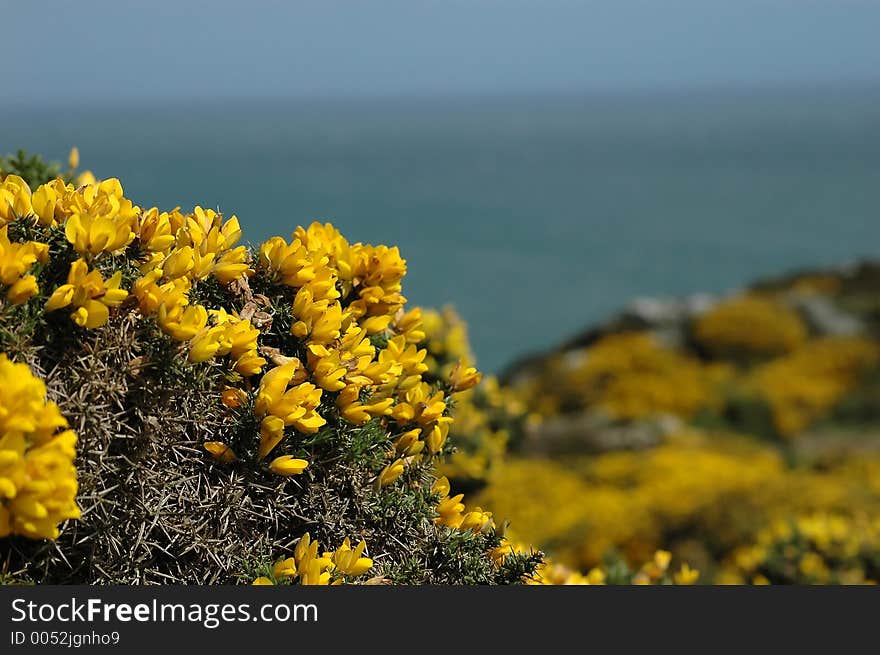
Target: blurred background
540, 163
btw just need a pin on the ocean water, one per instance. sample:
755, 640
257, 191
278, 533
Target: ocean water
533, 216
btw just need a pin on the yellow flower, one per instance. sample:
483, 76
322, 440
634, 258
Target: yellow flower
315, 572
437, 438
408, 443
286, 568
312, 569
221, 451
102, 219
182, 322
475, 520
73, 158
287, 465
90, 295
46, 200
686, 575
350, 562
662, 559
296, 406
262, 581
207, 343
390, 473
271, 434
232, 397
37, 476
409, 325
250, 363
178, 263
17, 258
462, 378
293, 264
154, 230
15, 199
22, 290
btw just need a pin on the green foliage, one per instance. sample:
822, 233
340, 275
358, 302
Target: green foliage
33, 169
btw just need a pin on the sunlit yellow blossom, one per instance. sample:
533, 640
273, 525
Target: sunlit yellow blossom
22, 290
89, 294
154, 230
250, 363
293, 264
181, 322
178, 263
357, 412
15, 260
325, 239
262, 581
85, 178
408, 443
463, 378
15, 199
101, 219
287, 465
390, 473
312, 569
409, 325
150, 294
37, 477
208, 343
296, 405
437, 438
271, 434
315, 572
286, 568
349, 561
46, 201
319, 320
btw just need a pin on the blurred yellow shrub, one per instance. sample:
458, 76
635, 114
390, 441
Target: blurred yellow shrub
820, 548
713, 491
750, 325
802, 387
631, 376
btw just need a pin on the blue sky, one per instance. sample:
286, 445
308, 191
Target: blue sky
102, 52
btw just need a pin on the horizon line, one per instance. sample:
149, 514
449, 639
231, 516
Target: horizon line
605, 94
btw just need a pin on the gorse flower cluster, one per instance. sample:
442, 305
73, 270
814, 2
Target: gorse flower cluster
629, 375
803, 386
701, 496
750, 325
487, 417
307, 568
37, 476
810, 549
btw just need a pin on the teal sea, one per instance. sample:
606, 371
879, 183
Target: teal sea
534, 217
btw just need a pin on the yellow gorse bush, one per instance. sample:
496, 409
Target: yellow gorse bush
801, 387
344, 294
37, 476
304, 335
629, 375
705, 489
818, 548
750, 325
